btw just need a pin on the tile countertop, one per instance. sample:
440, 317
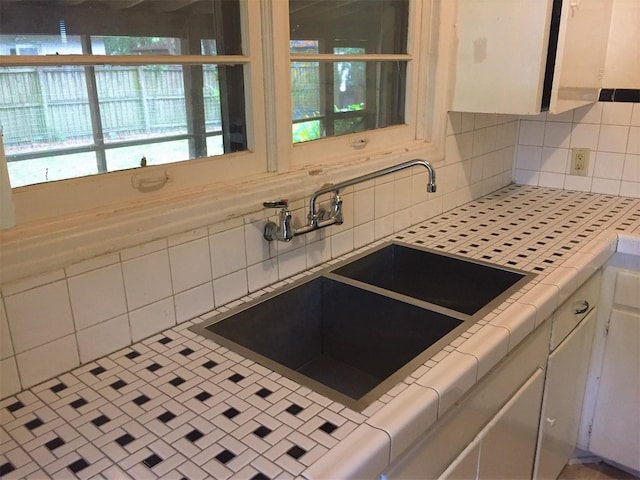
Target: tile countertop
177, 405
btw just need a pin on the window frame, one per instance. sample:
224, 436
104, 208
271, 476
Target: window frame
59, 198
212, 190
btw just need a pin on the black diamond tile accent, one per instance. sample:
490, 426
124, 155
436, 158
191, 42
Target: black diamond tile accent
125, 440
55, 443
203, 396
14, 407
6, 468
164, 340
264, 392
328, 427
209, 364
117, 385
152, 460
35, 423
97, 371
186, 351
236, 377
78, 465
154, 366
225, 456
194, 435
58, 388
141, 400
131, 355
262, 431
101, 420
177, 381
166, 416
230, 413
78, 403
260, 476
294, 409
296, 452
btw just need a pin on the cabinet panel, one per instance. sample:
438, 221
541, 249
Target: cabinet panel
439, 448
562, 404
581, 55
508, 443
615, 432
498, 68
465, 467
503, 50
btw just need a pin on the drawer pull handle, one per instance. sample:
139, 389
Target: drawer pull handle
583, 308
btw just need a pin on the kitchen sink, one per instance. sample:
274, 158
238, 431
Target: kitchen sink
455, 283
352, 331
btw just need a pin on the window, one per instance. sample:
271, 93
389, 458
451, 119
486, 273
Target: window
105, 85
350, 64
203, 92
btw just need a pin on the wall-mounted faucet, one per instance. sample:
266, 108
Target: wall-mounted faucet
318, 218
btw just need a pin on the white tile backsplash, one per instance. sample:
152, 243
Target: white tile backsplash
39, 315
606, 128
190, 264
48, 360
97, 295
6, 346
152, 319
228, 253
104, 338
147, 279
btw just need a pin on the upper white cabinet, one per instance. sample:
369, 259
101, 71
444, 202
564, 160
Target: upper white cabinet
524, 57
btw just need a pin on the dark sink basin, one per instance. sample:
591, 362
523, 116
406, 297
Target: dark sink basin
352, 331
455, 283
343, 341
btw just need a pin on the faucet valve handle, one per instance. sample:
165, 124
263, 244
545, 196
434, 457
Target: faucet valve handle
282, 203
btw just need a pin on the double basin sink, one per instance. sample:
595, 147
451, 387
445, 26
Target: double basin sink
353, 330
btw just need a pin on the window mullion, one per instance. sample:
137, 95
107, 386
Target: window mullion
94, 108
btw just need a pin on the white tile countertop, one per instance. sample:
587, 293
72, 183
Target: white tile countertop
177, 405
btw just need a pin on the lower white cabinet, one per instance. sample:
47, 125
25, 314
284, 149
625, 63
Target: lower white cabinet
614, 418
492, 429
508, 442
567, 370
506, 446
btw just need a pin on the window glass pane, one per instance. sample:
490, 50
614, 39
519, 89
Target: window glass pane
70, 121
380, 24
120, 27
336, 98
341, 97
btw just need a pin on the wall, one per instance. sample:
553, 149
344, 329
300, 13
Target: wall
611, 130
52, 323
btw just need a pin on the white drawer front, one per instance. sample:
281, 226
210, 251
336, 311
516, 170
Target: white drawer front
575, 309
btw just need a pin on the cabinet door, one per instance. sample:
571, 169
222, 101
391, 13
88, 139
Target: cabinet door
581, 54
562, 405
615, 433
501, 57
465, 467
508, 443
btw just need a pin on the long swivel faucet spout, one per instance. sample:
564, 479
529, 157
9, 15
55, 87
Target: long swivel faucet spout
285, 231
431, 186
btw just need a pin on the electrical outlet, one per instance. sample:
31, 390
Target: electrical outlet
580, 161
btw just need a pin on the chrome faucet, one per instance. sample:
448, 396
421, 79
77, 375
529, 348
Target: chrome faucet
318, 218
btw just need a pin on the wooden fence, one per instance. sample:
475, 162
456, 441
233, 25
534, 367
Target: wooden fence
51, 104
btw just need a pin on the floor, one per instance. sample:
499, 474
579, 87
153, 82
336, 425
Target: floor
594, 471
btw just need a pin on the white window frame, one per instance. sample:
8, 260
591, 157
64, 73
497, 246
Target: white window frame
203, 192
60, 198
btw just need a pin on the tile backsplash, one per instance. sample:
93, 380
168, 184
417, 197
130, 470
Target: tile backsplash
611, 130
54, 322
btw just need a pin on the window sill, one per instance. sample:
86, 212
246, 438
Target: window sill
45, 245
